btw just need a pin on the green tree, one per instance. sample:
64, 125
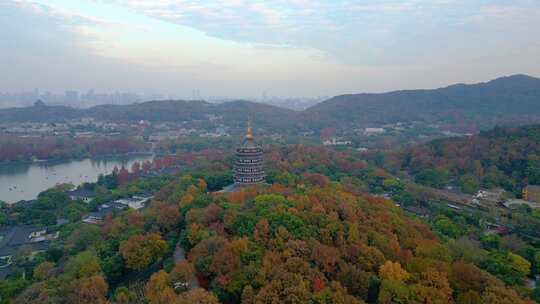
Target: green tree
432, 177
469, 183
447, 227
509, 267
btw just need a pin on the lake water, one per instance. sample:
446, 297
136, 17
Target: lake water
26, 181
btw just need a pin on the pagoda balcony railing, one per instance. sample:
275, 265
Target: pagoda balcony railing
241, 168
253, 166
249, 153
260, 173
249, 170
249, 161
249, 180
249, 149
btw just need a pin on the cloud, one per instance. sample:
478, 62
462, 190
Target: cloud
352, 32
55, 49
243, 47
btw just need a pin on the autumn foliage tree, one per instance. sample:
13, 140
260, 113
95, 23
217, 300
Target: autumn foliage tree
91, 290
139, 251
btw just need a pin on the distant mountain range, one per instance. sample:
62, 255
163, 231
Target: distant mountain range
507, 100
233, 113
503, 100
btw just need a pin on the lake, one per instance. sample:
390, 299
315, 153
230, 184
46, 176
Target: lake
26, 181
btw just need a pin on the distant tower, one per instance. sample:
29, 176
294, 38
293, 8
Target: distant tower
248, 168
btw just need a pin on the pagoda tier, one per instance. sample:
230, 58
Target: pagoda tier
248, 167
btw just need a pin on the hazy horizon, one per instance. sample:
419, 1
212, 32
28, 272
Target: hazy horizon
241, 49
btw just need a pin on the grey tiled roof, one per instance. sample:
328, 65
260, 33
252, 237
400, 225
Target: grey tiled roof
81, 192
16, 236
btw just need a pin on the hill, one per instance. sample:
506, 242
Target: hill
307, 238
40, 113
503, 100
501, 157
232, 113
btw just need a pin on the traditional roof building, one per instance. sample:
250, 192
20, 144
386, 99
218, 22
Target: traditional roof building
248, 167
83, 194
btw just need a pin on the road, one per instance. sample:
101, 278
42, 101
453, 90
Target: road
179, 256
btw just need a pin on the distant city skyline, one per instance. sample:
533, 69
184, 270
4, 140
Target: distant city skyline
92, 98
241, 49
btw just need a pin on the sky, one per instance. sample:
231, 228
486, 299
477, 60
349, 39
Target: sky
242, 48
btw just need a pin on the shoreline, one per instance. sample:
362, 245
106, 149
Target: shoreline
58, 160
14, 167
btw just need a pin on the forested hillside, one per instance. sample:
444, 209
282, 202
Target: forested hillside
502, 157
504, 100
233, 113
14, 148
314, 236
40, 113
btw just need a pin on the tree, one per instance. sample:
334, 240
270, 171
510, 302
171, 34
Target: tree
43, 270
533, 170
47, 218
181, 275
432, 177
512, 243
318, 284
123, 176
158, 291
135, 219
465, 276
84, 264
109, 181
393, 288
326, 257
91, 290
262, 230
500, 295
201, 184
491, 241
433, 287
393, 291
355, 280
186, 200
139, 251
316, 179
469, 183
393, 271
22, 255
197, 296
122, 295
168, 216
509, 267
536, 294
83, 237
433, 250
248, 295
286, 287
469, 297
447, 227
136, 168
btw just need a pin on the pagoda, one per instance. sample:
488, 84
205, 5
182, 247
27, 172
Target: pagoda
248, 167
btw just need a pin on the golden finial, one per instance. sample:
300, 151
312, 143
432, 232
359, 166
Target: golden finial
249, 131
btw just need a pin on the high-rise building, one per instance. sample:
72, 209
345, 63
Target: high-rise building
248, 168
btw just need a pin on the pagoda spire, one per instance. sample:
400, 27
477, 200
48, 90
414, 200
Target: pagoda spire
249, 130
